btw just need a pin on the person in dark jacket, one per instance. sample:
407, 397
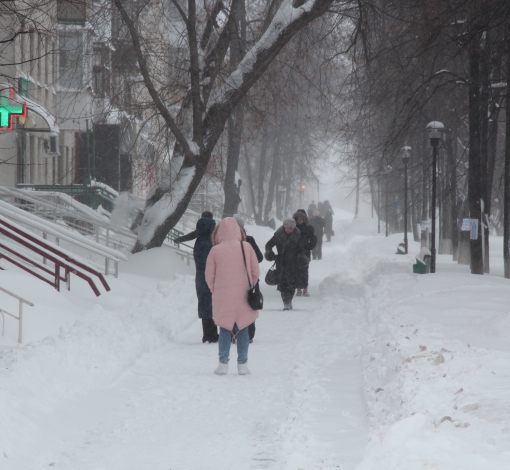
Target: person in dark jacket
318, 224
311, 209
250, 239
308, 240
320, 208
328, 230
203, 245
260, 257
287, 240
193, 235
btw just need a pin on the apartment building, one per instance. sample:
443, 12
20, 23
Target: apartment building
73, 64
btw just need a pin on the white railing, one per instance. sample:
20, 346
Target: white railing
71, 216
19, 317
60, 233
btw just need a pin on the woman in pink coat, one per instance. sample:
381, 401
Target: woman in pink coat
227, 278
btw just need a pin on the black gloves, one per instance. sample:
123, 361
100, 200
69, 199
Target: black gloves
269, 255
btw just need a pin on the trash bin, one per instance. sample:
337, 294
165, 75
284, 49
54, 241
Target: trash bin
422, 266
401, 249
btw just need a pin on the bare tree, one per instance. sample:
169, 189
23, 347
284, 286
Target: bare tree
211, 100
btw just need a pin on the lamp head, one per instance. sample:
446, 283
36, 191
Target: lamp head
435, 129
406, 154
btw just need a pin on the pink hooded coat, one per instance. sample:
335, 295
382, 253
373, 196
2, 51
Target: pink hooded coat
226, 277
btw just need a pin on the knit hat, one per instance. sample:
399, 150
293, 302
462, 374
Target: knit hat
207, 215
316, 213
239, 221
289, 222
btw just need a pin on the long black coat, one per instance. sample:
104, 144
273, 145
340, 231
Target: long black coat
308, 238
201, 251
289, 258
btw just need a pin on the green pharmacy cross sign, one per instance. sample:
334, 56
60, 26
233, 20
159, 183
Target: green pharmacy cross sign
10, 108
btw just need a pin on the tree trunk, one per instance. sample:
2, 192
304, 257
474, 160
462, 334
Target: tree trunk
235, 123
475, 177
250, 183
452, 172
261, 179
484, 142
272, 180
506, 198
231, 186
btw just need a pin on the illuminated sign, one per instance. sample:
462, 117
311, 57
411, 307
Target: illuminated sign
10, 108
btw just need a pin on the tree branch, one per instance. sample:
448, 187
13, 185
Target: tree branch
211, 21
150, 85
195, 74
214, 59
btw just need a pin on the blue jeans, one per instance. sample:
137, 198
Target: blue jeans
242, 341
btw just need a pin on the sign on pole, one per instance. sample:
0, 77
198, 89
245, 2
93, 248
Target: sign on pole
474, 229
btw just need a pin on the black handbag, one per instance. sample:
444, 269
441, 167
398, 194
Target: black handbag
255, 297
272, 276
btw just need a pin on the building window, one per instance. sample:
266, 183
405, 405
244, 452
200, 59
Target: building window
100, 70
71, 60
71, 12
24, 87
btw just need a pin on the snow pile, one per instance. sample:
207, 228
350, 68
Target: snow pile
434, 358
379, 369
436, 395
95, 345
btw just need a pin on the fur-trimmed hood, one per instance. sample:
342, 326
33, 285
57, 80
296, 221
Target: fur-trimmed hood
301, 216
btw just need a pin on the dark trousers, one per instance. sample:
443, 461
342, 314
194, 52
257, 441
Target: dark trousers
251, 331
317, 251
210, 331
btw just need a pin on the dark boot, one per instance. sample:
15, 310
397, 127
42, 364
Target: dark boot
287, 300
251, 331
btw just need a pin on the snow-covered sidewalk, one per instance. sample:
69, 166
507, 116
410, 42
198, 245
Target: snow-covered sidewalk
378, 369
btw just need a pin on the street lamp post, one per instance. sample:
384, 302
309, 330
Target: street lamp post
405, 159
386, 209
434, 128
388, 169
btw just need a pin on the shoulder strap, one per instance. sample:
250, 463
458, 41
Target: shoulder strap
244, 258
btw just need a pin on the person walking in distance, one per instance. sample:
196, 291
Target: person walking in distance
311, 208
308, 241
226, 276
318, 224
260, 257
328, 230
287, 240
203, 245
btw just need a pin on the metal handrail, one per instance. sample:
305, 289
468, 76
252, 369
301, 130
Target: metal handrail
58, 232
58, 212
59, 257
21, 301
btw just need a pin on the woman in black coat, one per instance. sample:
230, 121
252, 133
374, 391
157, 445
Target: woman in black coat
287, 240
203, 245
308, 241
